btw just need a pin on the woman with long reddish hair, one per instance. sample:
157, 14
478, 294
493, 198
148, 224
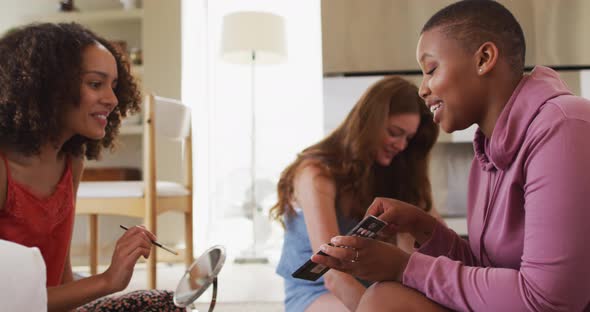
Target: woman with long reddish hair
381, 149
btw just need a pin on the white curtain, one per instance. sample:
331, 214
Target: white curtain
289, 112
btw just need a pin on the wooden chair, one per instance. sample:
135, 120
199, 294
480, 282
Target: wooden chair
145, 199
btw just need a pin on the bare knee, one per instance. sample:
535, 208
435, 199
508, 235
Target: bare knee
375, 294
379, 297
392, 296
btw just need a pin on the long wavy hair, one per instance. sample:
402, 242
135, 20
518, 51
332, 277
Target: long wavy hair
40, 77
347, 155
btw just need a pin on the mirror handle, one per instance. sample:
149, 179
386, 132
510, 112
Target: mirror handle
214, 295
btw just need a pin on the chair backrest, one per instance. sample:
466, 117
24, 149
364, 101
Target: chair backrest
173, 118
170, 119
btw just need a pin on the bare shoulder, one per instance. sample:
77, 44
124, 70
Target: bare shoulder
311, 176
3, 183
77, 169
434, 212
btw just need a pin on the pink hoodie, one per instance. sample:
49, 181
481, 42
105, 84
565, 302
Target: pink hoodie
528, 211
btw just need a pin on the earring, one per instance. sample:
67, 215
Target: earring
480, 70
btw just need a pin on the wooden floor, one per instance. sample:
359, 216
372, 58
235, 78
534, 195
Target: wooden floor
242, 307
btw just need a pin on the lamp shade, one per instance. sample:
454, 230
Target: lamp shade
247, 32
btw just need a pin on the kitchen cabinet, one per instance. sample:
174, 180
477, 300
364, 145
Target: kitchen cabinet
372, 35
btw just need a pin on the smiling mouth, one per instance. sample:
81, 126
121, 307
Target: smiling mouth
435, 107
101, 115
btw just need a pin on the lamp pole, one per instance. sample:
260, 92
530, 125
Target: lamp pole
257, 38
253, 154
251, 256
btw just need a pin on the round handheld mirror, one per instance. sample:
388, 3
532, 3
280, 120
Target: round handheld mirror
199, 276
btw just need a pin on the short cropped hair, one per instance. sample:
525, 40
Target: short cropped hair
473, 22
40, 78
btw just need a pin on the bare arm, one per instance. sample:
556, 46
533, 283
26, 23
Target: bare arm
67, 275
434, 212
134, 243
69, 296
316, 195
3, 183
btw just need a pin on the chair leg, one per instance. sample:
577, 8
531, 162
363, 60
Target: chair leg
93, 229
188, 239
152, 260
151, 268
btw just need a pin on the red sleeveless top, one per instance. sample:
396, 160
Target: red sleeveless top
45, 223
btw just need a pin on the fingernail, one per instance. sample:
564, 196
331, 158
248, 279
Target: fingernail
323, 247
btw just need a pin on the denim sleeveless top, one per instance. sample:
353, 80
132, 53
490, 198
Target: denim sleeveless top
296, 251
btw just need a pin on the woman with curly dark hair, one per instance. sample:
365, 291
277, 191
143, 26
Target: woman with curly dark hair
63, 93
381, 148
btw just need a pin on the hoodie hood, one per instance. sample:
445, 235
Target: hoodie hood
533, 91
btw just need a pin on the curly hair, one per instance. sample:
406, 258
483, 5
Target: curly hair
347, 155
40, 78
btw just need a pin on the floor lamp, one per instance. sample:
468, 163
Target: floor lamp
253, 38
